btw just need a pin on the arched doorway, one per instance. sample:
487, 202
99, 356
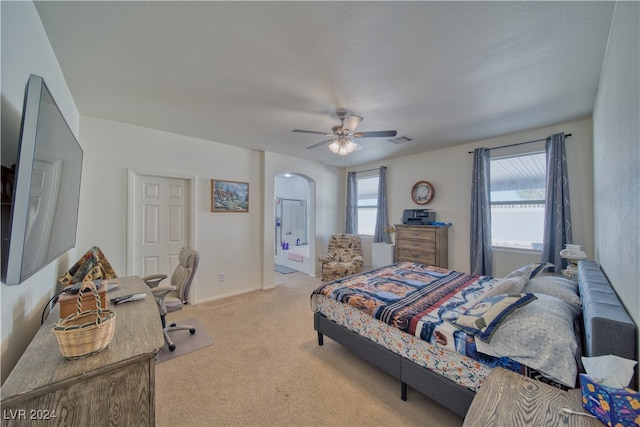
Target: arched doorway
294, 231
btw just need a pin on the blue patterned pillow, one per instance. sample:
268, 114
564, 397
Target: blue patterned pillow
487, 314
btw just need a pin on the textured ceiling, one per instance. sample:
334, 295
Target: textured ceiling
247, 73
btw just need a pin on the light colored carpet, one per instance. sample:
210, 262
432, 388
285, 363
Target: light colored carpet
266, 369
185, 342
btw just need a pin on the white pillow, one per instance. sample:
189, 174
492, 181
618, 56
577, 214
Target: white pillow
514, 282
512, 285
558, 287
529, 271
553, 279
541, 336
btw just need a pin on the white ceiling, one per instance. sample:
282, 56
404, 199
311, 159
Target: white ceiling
247, 73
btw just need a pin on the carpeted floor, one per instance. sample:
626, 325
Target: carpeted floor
266, 369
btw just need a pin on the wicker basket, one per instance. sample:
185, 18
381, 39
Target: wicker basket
85, 332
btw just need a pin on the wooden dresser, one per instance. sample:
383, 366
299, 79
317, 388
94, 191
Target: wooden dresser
113, 387
424, 244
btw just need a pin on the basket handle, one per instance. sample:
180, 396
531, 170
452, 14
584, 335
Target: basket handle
92, 287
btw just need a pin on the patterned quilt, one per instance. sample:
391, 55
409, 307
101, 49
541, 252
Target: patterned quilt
416, 299
413, 297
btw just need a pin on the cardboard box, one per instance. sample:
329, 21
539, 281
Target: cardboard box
69, 302
613, 406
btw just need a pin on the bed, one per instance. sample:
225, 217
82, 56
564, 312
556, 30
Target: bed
441, 332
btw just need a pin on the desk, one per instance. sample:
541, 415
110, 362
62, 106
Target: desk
113, 387
509, 399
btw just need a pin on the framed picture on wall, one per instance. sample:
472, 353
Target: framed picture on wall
229, 196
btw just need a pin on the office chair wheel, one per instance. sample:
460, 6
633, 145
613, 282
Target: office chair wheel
173, 325
172, 347
192, 331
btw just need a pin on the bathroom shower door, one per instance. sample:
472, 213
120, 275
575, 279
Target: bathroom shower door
291, 222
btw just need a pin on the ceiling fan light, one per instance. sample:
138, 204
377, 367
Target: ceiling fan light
342, 144
334, 147
351, 147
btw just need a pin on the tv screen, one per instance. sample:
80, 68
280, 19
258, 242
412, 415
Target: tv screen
44, 187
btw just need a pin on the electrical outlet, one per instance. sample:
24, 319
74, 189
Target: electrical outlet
222, 277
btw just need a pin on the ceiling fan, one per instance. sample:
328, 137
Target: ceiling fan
341, 141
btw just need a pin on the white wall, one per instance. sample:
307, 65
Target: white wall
292, 187
26, 50
449, 170
238, 244
616, 148
227, 242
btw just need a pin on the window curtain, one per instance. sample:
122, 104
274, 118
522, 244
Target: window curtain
382, 216
557, 213
352, 204
481, 251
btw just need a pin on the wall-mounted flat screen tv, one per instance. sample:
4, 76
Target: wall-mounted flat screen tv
43, 188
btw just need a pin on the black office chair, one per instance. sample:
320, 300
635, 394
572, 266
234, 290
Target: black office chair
174, 297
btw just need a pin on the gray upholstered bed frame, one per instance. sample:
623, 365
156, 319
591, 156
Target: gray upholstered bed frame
608, 329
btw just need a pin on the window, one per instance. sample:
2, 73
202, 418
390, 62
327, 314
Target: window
517, 201
367, 204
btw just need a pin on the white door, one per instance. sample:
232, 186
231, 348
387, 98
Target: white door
160, 228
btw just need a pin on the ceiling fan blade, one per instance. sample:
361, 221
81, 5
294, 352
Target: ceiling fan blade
312, 131
320, 143
375, 134
351, 122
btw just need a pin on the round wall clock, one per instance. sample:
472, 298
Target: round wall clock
422, 192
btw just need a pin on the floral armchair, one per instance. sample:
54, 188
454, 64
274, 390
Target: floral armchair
344, 257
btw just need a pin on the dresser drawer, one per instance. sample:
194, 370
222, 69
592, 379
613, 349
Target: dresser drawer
412, 255
416, 245
423, 234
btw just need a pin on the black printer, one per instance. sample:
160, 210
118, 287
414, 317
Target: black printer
418, 216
